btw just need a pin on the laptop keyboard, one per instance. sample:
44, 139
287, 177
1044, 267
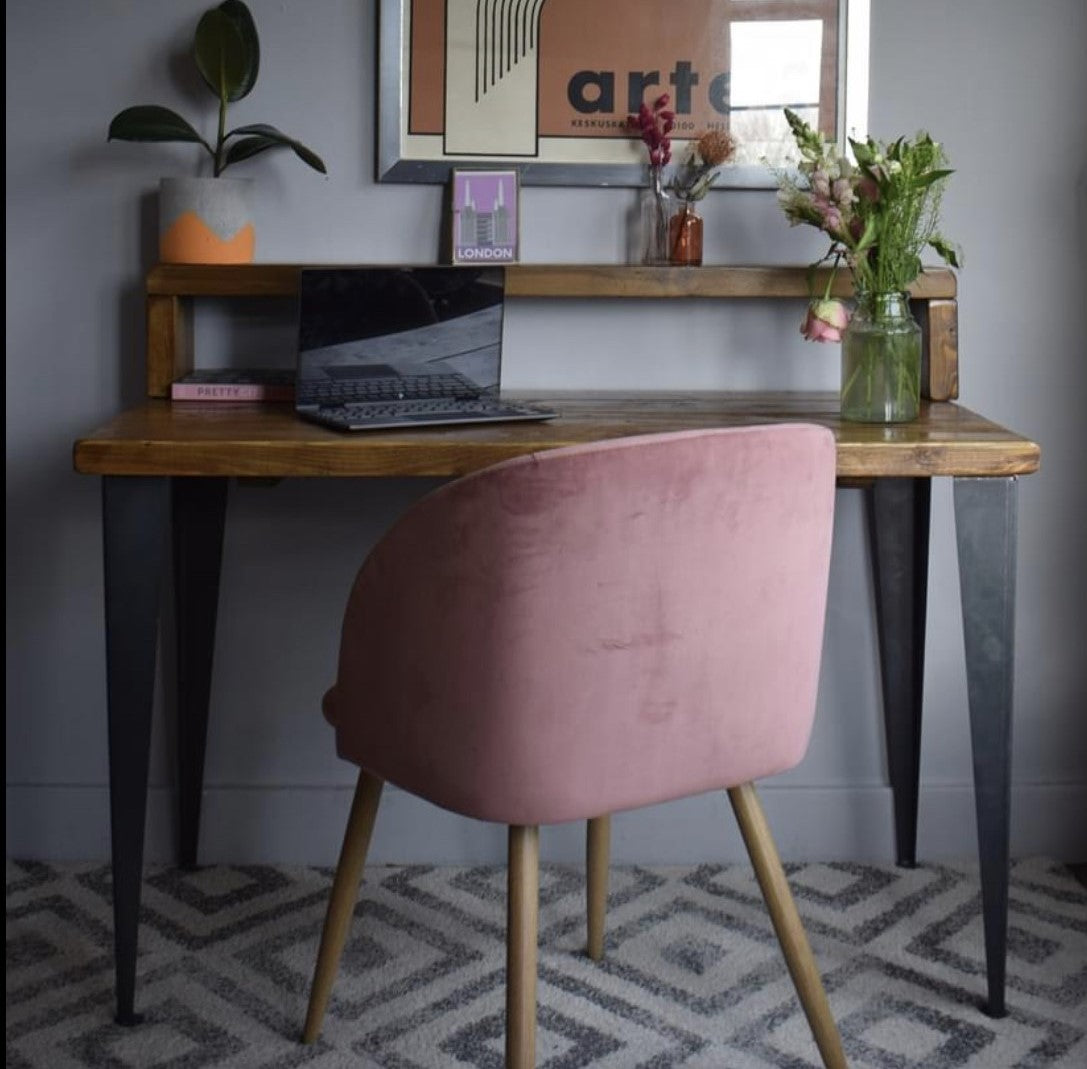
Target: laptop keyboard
391, 389
437, 406
378, 413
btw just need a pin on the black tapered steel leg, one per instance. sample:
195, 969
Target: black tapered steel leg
898, 514
199, 513
985, 525
135, 521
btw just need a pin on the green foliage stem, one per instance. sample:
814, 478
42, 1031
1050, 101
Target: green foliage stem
226, 50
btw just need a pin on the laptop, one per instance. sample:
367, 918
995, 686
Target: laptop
383, 347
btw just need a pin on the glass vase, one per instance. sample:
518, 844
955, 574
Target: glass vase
658, 207
881, 361
685, 236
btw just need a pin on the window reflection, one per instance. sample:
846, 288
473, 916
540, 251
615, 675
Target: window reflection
774, 65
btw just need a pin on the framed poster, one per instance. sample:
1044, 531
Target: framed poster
545, 86
485, 217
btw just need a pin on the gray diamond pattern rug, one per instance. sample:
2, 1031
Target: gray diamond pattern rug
693, 976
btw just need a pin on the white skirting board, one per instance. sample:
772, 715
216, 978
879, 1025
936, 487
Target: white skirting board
304, 826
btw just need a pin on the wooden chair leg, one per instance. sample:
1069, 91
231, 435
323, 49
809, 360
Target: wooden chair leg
341, 903
787, 923
522, 923
597, 851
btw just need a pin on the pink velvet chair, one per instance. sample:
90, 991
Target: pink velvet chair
587, 630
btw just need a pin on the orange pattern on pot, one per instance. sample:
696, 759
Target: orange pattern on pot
189, 240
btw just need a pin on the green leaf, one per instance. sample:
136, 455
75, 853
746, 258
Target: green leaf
946, 251
796, 124
150, 122
862, 152
868, 236
702, 186
809, 141
226, 50
259, 137
921, 181
239, 14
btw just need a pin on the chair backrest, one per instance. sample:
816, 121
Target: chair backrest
595, 628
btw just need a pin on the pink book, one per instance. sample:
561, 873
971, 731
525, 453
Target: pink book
226, 385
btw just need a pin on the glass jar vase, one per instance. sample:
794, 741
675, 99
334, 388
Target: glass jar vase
881, 361
685, 236
658, 207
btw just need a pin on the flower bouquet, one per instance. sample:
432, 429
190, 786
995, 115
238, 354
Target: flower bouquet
689, 185
699, 171
654, 124
673, 236
880, 212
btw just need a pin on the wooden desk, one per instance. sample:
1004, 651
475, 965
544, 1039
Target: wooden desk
167, 466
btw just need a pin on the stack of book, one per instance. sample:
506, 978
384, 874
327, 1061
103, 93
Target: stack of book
254, 384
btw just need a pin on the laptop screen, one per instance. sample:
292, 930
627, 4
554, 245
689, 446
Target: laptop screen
369, 325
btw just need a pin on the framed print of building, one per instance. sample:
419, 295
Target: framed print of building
485, 216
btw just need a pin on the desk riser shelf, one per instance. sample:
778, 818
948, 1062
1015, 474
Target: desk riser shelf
172, 288
551, 280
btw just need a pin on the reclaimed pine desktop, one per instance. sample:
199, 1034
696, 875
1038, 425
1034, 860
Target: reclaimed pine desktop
166, 468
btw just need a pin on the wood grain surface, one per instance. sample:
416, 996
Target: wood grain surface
550, 280
269, 440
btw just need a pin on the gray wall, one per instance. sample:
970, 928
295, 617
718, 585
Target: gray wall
1001, 82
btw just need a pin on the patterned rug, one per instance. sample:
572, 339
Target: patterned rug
692, 977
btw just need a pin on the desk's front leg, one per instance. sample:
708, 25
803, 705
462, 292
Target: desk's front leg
135, 520
898, 523
985, 524
199, 514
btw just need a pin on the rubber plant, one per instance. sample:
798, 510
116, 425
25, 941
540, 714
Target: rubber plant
227, 54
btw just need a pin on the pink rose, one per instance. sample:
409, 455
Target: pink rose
825, 321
